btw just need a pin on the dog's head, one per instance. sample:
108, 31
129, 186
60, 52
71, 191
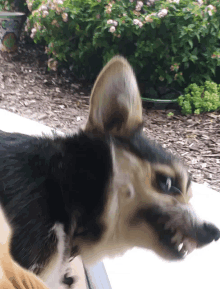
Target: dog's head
148, 195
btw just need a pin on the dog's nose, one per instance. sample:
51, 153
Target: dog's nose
207, 233
68, 280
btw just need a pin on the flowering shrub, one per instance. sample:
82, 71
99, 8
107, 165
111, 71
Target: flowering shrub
6, 5
197, 99
168, 42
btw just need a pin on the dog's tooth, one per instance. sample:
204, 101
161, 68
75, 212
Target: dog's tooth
180, 247
189, 245
185, 253
183, 250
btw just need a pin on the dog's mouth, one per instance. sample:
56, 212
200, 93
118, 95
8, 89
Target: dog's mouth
178, 230
176, 242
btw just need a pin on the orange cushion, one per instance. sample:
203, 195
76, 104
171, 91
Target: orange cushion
12, 276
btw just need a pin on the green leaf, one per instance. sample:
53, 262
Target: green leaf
212, 70
186, 17
193, 58
169, 78
190, 43
191, 26
195, 51
182, 34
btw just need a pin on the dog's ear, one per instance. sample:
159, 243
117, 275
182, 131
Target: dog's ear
115, 104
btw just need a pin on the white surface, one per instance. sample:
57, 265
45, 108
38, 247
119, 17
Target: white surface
142, 269
10, 122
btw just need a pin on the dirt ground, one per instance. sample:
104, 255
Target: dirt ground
61, 101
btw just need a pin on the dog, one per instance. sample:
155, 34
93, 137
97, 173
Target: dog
99, 192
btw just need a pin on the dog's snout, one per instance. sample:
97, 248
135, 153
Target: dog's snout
207, 233
68, 280
212, 230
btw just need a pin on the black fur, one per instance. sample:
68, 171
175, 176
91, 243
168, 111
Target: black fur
146, 149
44, 181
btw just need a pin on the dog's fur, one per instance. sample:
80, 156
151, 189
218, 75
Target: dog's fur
99, 192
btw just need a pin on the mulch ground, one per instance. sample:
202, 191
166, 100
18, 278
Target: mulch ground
61, 101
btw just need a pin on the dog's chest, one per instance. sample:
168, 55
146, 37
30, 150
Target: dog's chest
58, 265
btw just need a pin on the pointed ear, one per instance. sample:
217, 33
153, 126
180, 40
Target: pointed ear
115, 104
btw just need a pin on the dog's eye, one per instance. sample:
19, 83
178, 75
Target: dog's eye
167, 184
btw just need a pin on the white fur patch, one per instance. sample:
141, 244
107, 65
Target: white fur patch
56, 268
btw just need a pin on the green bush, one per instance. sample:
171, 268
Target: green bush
197, 99
169, 43
6, 5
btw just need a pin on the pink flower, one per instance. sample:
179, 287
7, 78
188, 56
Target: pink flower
162, 13
209, 9
45, 14
140, 24
110, 21
140, 3
112, 29
52, 64
65, 17
135, 21
200, 2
